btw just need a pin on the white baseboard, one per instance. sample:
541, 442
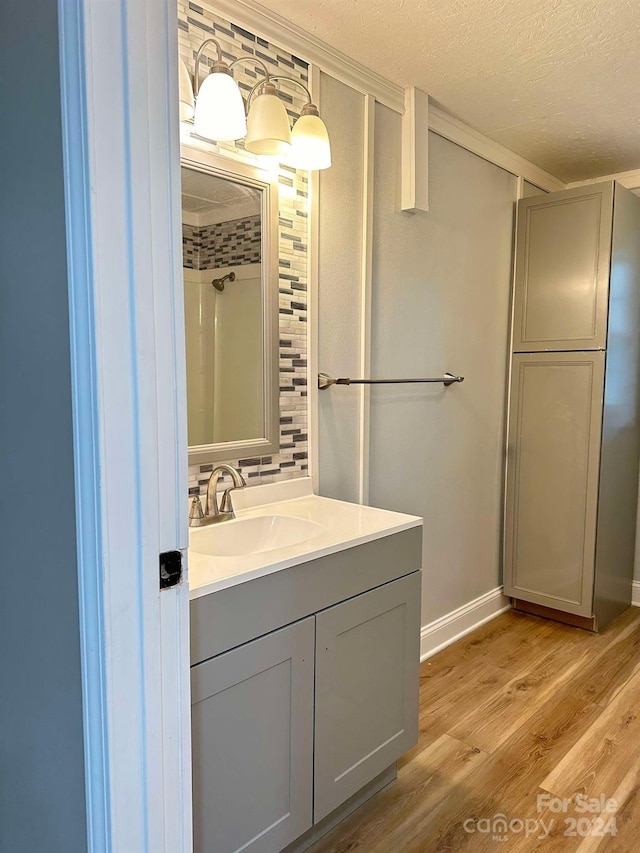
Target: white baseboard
457, 624
451, 627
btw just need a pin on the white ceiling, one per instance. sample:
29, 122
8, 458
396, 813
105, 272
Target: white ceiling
557, 81
207, 199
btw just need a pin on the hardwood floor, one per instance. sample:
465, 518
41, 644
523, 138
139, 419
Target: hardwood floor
522, 708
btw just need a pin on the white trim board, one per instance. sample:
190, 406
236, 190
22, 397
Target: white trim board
453, 626
366, 284
462, 134
313, 303
415, 152
635, 594
119, 88
630, 180
267, 24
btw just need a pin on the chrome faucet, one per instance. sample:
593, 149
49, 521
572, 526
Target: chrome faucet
214, 513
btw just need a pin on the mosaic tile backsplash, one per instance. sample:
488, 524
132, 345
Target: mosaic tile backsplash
197, 22
226, 244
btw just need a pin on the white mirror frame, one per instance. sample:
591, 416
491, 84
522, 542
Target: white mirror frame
233, 170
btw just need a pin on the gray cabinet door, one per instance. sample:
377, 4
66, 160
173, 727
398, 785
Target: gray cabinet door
562, 270
553, 457
252, 732
367, 660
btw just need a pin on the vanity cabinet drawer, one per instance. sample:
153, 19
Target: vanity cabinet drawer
367, 662
252, 734
227, 618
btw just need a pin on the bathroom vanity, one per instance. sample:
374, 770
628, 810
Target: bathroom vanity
305, 633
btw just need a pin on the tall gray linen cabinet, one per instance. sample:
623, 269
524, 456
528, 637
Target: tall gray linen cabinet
573, 439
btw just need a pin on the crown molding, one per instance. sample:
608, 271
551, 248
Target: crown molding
257, 19
462, 134
630, 180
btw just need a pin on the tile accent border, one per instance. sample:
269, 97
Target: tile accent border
196, 22
233, 243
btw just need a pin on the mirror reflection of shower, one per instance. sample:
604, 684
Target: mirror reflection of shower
219, 283
222, 243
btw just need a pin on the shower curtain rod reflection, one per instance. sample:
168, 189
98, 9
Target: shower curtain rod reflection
325, 381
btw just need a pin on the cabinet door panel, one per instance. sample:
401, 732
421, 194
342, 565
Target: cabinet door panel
252, 732
562, 270
367, 660
553, 458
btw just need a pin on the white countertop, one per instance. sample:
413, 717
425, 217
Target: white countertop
343, 526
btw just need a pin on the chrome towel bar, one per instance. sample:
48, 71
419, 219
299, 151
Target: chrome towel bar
325, 381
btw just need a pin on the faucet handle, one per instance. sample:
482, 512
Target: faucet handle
225, 503
196, 513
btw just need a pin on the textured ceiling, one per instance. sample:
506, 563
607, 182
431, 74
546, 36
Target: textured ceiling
557, 81
217, 198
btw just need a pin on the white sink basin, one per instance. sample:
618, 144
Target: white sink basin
252, 535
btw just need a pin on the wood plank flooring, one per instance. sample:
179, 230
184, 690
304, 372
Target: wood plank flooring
521, 708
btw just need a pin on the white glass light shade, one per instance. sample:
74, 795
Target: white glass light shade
220, 109
310, 147
268, 129
186, 92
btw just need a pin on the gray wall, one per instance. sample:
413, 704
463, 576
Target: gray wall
530, 190
441, 302
339, 261
42, 800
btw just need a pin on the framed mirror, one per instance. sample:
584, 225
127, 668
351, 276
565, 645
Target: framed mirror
230, 272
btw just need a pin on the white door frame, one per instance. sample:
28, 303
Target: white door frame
122, 181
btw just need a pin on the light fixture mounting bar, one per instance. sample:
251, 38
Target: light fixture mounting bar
196, 71
252, 60
282, 78
220, 66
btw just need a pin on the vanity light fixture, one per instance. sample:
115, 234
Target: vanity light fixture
220, 115
309, 140
268, 129
186, 92
219, 109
